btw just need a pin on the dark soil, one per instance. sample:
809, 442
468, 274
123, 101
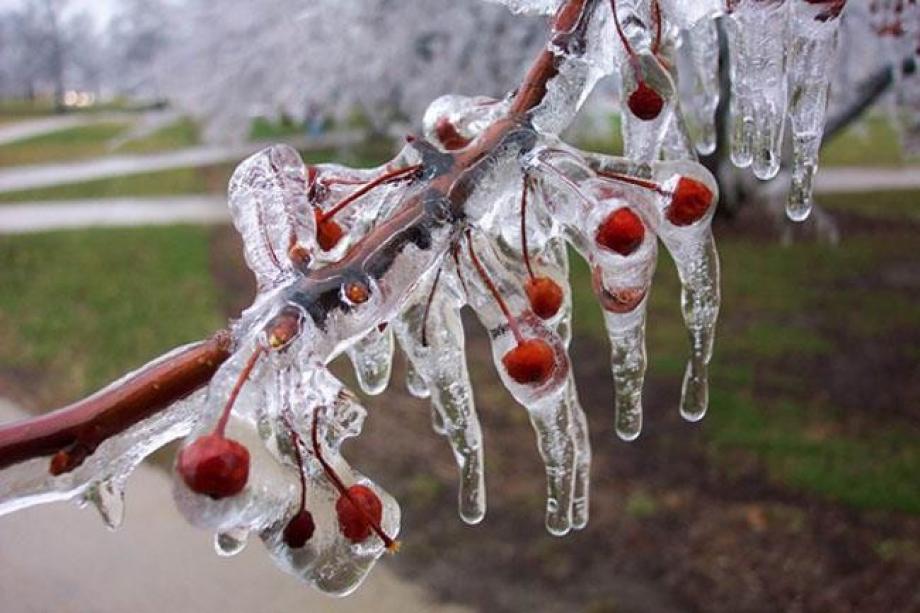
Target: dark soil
669, 531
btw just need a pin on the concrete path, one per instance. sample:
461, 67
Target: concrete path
29, 128
60, 559
13, 178
73, 214
845, 180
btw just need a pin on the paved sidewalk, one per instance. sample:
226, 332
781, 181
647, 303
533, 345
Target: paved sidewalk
60, 559
848, 180
74, 214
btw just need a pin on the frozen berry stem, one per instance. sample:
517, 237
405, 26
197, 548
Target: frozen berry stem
644, 102
428, 303
524, 188
300, 527
221, 427
393, 175
487, 280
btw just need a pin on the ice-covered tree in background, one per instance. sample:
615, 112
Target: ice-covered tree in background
386, 59
136, 39
479, 210
394, 56
46, 48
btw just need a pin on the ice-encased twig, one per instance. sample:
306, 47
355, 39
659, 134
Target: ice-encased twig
268, 203
545, 403
101, 476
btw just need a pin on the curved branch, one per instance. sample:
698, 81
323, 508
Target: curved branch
870, 90
72, 433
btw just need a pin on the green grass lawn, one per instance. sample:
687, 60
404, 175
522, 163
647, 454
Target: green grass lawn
85, 142
80, 308
177, 135
70, 144
871, 142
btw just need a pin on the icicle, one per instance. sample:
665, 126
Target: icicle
551, 420
495, 297
812, 55
431, 333
705, 87
372, 357
692, 247
108, 497
415, 384
579, 430
757, 35
624, 253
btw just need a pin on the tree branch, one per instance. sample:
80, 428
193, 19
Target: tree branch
870, 91
74, 432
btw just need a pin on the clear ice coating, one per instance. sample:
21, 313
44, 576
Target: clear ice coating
357, 261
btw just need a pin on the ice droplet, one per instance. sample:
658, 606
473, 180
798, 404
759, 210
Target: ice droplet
228, 543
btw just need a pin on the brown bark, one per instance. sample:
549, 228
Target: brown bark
72, 433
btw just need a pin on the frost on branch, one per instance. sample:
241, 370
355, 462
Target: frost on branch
480, 212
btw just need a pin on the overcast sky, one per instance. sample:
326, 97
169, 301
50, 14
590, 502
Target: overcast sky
101, 9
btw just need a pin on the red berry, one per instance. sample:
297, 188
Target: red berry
621, 231
214, 466
328, 232
532, 361
353, 522
449, 136
689, 202
545, 296
299, 530
645, 103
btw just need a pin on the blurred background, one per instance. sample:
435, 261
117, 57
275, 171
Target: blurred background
120, 123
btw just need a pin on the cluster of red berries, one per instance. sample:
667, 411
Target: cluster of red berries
218, 467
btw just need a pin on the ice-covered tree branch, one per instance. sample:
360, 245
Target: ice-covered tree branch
478, 211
